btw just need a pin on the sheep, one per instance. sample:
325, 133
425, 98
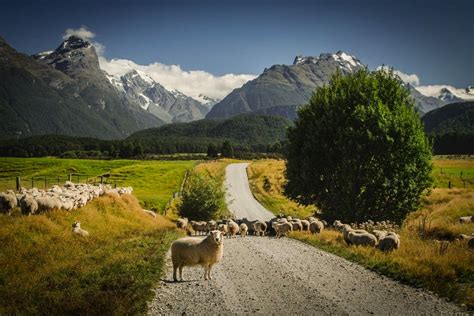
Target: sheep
250, 225
232, 228
346, 229
211, 225
466, 219
282, 229
316, 227
338, 225
296, 225
389, 242
151, 213
305, 223
223, 228
76, 228
8, 202
243, 229
28, 205
182, 223
198, 227
191, 251
380, 234
260, 227
362, 238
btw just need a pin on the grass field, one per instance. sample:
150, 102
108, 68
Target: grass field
460, 172
153, 181
420, 261
46, 269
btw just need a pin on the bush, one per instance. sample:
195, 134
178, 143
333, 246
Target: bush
202, 198
358, 150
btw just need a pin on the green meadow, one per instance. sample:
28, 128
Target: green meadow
153, 181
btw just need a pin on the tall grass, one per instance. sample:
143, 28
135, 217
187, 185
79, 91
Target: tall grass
46, 269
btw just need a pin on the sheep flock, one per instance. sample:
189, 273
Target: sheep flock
68, 197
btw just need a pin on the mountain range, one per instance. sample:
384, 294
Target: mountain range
64, 91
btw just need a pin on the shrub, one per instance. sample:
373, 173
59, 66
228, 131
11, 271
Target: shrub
202, 198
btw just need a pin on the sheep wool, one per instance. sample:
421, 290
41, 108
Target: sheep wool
192, 251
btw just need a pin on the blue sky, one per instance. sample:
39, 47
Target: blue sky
432, 39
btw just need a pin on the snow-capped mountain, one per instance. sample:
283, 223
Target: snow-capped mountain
280, 89
169, 106
447, 94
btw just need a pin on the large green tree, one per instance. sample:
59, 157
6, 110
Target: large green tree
358, 151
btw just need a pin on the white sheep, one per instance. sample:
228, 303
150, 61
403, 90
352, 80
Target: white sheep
338, 225
362, 238
305, 223
151, 213
211, 225
223, 229
380, 234
232, 228
8, 202
389, 242
76, 228
243, 228
28, 205
297, 226
316, 227
259, 228
191, 251
466, 219
199, 227
282, 229
182, 223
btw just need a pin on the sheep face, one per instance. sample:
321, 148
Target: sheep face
217, 237
76, 225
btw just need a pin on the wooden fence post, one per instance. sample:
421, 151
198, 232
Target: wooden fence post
18, 184
449, 184
69, 177
45, 183
101, 179
32, 182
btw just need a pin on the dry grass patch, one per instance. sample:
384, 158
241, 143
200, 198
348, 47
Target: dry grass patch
443, 267
48, 269
267, 178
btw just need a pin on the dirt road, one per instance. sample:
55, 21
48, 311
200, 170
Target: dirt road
284, 276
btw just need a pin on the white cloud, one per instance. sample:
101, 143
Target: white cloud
192, 83
82, 32
412, 79
434, 91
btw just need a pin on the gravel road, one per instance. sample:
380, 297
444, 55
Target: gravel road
285, 276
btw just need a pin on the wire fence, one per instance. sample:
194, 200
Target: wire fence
45, 182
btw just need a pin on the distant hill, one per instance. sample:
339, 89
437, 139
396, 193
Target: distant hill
245, 130
452, 128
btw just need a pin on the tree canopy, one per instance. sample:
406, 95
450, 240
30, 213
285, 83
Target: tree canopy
358, 151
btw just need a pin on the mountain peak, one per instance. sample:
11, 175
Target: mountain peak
343, 59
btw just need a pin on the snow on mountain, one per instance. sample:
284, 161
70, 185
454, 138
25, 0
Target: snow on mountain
345, 60
447, 93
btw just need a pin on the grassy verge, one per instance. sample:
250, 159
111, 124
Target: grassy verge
266, 179
445, 268
48, 269
153, 181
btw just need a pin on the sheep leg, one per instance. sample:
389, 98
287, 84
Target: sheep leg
175, 279
181, 273
205, 272
209, 272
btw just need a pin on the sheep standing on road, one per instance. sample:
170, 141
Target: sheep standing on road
243, 229
211, 225
282, 229
191, 251
260, 227
199, 227
232, 228
76, 228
